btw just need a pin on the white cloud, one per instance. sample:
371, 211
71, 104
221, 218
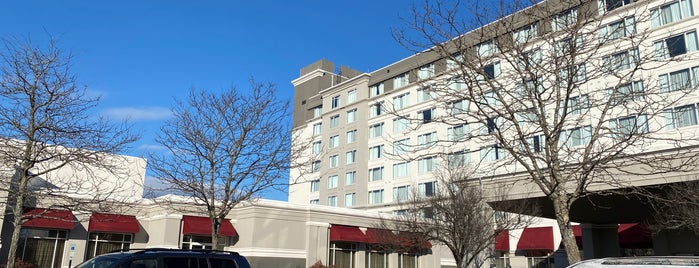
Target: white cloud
151, 147
138, 113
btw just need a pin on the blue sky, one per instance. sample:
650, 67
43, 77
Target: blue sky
140, 55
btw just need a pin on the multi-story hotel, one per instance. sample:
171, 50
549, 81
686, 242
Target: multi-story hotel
379, 136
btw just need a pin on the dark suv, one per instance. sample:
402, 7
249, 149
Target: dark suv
167, 258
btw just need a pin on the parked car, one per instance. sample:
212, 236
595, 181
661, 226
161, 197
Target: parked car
640, 262
167, 258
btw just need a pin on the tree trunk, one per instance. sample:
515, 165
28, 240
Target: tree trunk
17, 227
214, 233
562, 210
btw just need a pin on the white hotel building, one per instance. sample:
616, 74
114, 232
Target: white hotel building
332, 214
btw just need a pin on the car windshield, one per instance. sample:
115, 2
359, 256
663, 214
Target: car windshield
100, 262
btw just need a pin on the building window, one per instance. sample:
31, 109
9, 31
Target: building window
572, 73
41, 247
334, 121
456, 84
317, 147
332, 181
672, 12
332, 201
567, 47
317, 111
536, 143
376, 130
609, 5
492, 153
427, 140
200, 242
401, 146
426, 116
457, 133
401, 169
401, 193
426, 165
351, 157
376, 197
681, 116
376, 109
376, 259
334, 160
425, 72
315, 185
400, 81
577, 105
351, 136
524, 34
342, 254
350, 178
424, 94
486, 49
454, 61
315, 202
317, 128
427, 189
491, 125
315, 166
351, 96
676, 45
401, 101
376, 174
532, 58
679, 80
629, 125
458, 159
334, 141
400, 124
490, 71
351, 116
407, 260
622, 60
349, 199
335, 102
375, 152
564, 19
618, 29
376, 90
576, 137
626, 92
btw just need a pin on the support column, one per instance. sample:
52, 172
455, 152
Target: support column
600, 240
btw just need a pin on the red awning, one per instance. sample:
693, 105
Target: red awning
409, 239
48, 218
347, 234
502, 241
635, 235
196, 225
381, 236
113, 223
536, 238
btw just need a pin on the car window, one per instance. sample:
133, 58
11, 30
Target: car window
142, 263
99, 262
183, 262
222, 263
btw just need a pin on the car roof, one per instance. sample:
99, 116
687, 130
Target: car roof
640, 262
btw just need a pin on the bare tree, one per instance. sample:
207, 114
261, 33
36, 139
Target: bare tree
54, 152
456, 215
563, 95
680, 207
225, 148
